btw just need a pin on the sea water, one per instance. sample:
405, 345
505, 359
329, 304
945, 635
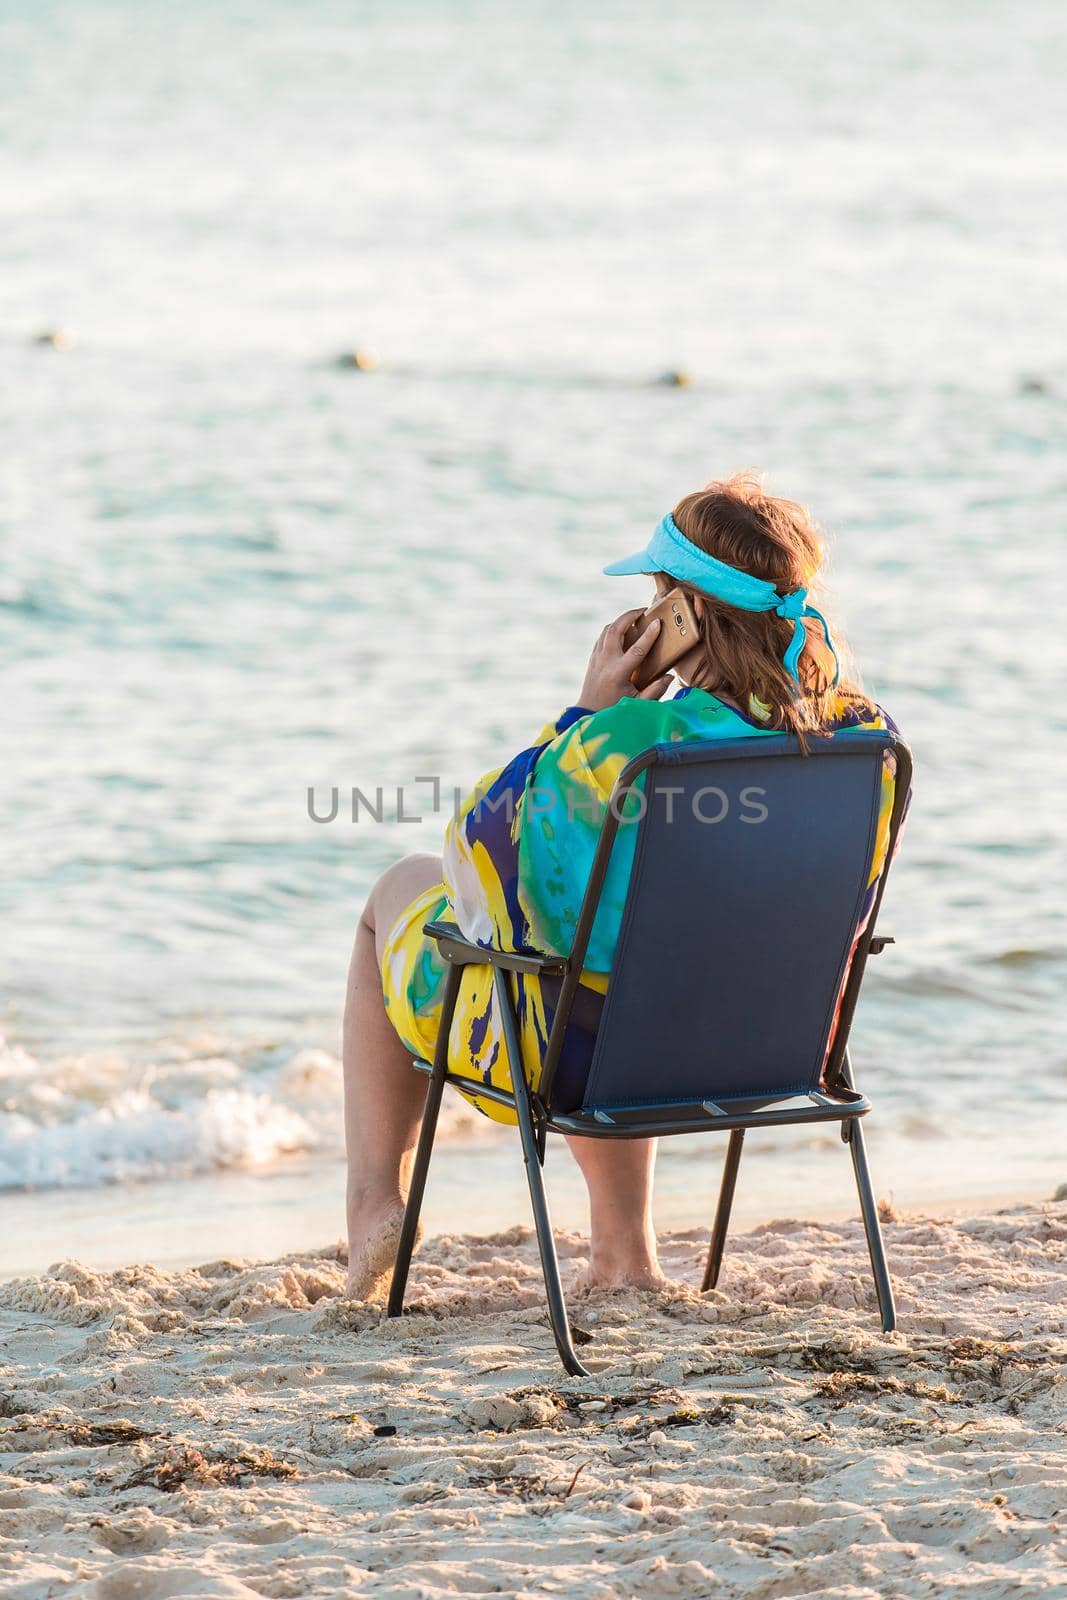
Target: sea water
234, 569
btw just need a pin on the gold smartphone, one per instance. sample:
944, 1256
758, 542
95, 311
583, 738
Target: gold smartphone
678, 634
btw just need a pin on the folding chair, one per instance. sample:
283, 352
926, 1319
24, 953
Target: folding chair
751, 869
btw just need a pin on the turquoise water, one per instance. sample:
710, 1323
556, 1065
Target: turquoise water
232, 569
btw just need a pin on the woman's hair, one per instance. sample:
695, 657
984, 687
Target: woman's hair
736, 522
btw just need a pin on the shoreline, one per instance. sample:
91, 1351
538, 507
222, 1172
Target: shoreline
267, 1211
255, 1158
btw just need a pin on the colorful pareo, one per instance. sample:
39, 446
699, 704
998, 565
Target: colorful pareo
517, 858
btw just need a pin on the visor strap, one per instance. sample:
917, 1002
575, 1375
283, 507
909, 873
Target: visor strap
670, 551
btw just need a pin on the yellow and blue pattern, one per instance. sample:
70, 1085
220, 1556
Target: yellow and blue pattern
517, 858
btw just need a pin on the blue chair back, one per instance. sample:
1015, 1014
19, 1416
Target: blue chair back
747, 888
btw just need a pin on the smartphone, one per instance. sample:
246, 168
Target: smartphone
678, 634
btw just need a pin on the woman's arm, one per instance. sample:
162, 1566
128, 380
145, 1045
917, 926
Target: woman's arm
481, 851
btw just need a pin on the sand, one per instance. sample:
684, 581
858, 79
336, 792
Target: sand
239, 1430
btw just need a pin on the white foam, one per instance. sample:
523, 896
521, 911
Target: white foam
104, 1117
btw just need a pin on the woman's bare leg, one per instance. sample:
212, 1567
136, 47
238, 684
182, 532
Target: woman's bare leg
383, 1107
383, 1095
622, 1240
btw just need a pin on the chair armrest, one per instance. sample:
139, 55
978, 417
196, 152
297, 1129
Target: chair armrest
462, 953
879, 942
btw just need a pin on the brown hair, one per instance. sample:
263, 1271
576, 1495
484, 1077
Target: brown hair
738, 523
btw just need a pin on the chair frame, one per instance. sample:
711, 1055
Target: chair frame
839, 1102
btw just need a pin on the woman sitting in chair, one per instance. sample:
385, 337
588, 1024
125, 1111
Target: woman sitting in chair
517, 860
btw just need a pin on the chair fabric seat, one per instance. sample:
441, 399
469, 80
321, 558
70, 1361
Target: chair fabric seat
690, 1116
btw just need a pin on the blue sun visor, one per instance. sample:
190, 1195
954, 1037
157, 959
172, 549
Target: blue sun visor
670, 551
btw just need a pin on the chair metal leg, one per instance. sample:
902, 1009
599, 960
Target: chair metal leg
532, 1156
853, 1133
421, 1166
722, 1211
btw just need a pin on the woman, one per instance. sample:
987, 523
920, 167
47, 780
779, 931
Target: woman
517, 858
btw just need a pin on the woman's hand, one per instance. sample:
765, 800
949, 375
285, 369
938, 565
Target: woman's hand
607, 677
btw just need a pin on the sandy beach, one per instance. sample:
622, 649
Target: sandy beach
345, 347
238, 1429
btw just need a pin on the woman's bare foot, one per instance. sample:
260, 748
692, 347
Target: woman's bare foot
371, 1257
606, 1274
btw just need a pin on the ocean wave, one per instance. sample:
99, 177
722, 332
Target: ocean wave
87, 1120
82, 1121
